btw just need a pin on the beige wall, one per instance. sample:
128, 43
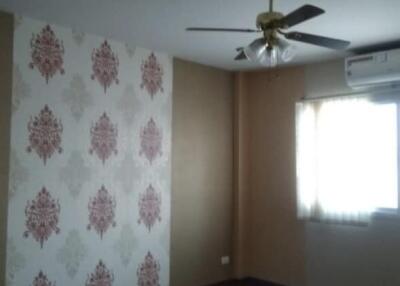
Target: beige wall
202, 174
275, 239
347, 255
271, 243
262, 231
6, 36
268, 241
278, 247
242, 226
325, 79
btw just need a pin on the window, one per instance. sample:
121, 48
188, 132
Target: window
347, 158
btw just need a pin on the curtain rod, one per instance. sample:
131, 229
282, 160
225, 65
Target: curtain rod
357, 93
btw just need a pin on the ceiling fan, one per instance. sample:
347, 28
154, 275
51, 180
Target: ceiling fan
272, 48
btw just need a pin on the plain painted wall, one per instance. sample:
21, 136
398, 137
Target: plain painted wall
202, 174
347, 255
274, 239
6, 49
279, 247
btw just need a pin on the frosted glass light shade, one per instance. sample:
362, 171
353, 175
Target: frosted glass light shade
270, 57
256, 50
259, 51
286, 51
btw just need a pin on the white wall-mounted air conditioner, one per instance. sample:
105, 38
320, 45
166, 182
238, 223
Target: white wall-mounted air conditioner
376, 69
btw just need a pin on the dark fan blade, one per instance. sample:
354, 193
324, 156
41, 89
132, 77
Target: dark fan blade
241, 56
318, 40
201, 29
302, 14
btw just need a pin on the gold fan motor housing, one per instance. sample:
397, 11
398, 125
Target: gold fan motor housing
264, 19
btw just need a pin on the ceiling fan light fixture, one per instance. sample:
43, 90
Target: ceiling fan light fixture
270, 57
271, 49
286, 51
261, 52
256, 50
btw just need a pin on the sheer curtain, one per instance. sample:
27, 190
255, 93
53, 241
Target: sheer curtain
346, 158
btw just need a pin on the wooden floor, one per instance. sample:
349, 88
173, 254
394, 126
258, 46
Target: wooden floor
232, 283
246, 282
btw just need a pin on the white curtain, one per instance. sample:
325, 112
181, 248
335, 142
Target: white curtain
346, 158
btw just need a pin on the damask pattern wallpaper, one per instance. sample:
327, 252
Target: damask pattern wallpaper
89, 192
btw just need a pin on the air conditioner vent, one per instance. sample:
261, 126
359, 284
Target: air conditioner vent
360, 59
381, 68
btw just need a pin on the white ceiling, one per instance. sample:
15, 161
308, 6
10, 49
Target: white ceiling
160, 24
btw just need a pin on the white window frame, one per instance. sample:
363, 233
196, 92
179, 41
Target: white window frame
393, 92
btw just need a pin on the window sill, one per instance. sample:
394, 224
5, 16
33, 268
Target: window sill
386, 214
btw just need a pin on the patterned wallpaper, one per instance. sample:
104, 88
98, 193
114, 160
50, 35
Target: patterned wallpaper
89, 193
